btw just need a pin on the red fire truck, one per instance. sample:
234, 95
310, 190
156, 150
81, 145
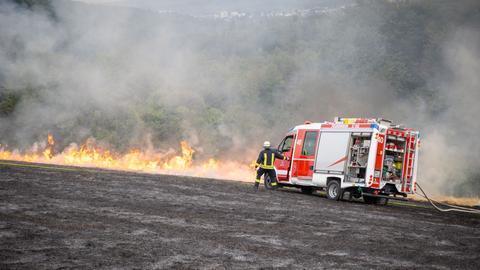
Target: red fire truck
351, 157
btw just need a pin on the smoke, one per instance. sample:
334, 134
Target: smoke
133, 78
450, 150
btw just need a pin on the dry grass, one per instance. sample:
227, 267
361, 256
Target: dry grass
467, 201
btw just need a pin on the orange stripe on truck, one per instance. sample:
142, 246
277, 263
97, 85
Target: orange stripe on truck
338, 161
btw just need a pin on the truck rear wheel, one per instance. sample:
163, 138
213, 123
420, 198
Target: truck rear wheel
334, 192
369, 199
375, 200
382, 201
307, 190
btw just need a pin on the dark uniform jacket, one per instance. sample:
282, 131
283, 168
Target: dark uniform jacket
266, 158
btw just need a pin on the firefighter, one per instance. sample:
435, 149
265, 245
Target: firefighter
264, 165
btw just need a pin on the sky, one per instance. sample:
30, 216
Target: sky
209, 7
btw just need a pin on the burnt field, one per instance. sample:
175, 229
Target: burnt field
76, 218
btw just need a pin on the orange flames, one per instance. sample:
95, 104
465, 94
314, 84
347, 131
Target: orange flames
90, 154
48, 152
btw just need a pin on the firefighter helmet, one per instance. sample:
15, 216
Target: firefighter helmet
266, 144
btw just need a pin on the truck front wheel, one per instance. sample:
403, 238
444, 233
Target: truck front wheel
268, 183
334, 191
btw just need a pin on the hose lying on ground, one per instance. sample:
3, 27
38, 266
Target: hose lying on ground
451, 207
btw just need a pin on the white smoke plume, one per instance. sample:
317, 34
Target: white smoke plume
123, 74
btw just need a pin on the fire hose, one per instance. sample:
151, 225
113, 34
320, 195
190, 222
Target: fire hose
451, 208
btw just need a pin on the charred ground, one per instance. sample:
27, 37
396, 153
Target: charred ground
77, 218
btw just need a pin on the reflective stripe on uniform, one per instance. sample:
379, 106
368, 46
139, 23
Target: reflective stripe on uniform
257, 180
265, 167
274, 184
265, 160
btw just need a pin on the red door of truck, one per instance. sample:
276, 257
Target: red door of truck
304, 154
283, 166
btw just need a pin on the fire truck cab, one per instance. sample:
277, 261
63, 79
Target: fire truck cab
351, 157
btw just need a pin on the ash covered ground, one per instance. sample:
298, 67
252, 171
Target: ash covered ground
77, 218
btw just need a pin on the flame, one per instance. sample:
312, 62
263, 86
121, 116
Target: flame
211, 164
90, 154
5, 154
48, 152
50, 139
181, 162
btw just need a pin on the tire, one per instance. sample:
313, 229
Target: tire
334, 192
375, 200
369, 199
382, 201
347, 195
307, 190
268, 182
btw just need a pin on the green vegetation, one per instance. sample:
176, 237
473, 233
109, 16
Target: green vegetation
8, 102
45, 5
398, 42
